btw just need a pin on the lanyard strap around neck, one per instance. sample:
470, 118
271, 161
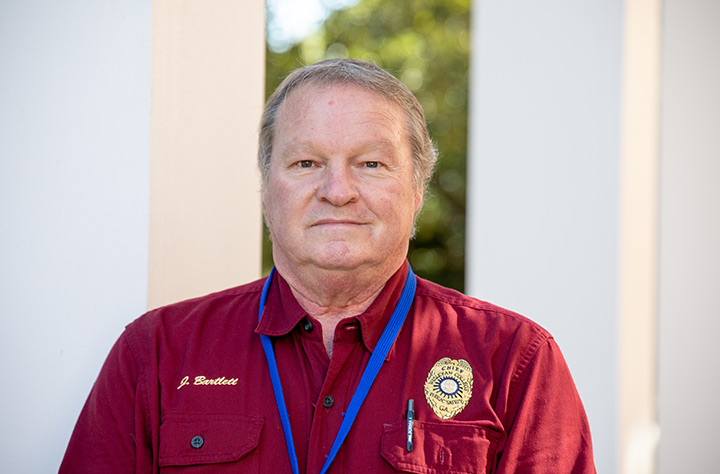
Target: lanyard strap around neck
368, 377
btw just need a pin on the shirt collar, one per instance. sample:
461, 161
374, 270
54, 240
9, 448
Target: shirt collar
283, 312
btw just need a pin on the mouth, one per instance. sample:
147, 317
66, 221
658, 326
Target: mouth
336, 222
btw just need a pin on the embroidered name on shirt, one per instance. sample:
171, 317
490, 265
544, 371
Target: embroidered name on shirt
448, 387
202, 380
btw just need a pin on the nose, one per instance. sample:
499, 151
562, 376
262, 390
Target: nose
338, 186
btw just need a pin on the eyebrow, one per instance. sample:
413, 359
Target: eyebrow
295, 147
307, 147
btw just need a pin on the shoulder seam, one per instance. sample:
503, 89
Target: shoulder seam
133, 345
465, 301
528, 355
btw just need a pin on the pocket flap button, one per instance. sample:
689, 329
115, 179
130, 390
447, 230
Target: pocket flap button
197, 442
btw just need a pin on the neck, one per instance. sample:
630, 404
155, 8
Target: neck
330, 296
334, 297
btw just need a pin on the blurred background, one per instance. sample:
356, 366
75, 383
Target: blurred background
577, 185
425, 44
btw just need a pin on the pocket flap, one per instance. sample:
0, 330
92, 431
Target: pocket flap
448, 447
187, 439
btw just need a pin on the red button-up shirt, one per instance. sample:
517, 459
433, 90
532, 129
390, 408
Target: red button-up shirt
186, 389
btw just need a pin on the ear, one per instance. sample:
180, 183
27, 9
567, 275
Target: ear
419, 199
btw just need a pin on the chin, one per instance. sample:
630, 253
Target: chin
339, 264
348, 261
342, 260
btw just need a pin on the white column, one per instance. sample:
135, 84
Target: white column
594, 208
74, 175
544, 182
689, 355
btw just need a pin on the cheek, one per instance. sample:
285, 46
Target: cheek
282, 206
273, 208
396, 206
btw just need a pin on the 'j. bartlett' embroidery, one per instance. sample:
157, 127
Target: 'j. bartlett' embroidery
202, 380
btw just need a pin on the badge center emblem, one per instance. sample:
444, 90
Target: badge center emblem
449, 386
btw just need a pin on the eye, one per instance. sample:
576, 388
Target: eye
372, 164
305, 164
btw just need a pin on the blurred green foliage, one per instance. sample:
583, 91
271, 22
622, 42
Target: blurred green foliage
425, 44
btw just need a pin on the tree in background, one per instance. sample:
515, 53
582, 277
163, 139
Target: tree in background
425, 44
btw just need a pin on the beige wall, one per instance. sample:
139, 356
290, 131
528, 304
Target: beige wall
207, 94
637, 427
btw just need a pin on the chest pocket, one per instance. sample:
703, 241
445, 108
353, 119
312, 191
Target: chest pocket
451, 447
200, 443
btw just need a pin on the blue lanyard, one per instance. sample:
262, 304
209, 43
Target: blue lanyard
368, 377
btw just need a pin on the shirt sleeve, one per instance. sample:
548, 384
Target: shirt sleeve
548, 430
112, 434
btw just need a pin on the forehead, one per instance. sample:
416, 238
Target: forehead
334, 103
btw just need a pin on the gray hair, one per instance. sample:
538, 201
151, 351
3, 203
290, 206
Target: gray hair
367, 76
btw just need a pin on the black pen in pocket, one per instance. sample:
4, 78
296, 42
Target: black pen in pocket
410, 421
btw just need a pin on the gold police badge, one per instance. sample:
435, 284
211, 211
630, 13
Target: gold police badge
448, 387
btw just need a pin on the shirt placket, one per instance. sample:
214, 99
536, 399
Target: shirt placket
340, 381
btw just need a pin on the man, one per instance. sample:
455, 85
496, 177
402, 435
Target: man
356, 365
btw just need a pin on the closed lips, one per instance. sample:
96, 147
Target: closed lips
336, 222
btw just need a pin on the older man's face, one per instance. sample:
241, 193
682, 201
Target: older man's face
340, 193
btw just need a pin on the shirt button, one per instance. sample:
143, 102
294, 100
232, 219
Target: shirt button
308, 326
328, 401
197, 442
